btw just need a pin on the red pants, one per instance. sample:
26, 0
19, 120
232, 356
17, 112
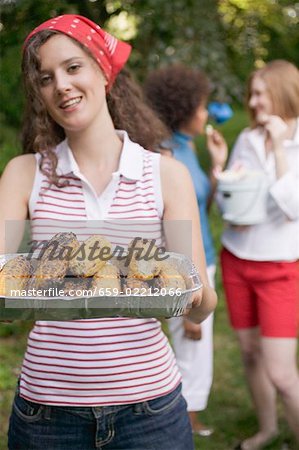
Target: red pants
262, 293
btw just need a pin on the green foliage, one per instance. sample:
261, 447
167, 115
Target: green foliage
257, 31
9, 143
195, 38
225, 38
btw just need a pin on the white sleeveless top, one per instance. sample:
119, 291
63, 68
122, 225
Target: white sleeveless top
110, 361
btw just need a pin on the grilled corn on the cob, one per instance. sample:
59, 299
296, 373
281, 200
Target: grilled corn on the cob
54, 261
14, 275
92, 262
170, 278
143, 265
107, 278
75, 286
136, 285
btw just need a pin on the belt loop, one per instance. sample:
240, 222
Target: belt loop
138, 408
47, 412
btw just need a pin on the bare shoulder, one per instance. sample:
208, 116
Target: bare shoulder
21, 164
17, 180
174, 176
173, 171
20, 170
169, 163
177, 190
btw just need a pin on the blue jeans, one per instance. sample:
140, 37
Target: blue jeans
159, 424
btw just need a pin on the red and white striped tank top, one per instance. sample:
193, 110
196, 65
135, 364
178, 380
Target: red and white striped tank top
99, 361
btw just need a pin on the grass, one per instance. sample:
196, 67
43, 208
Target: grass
229, 411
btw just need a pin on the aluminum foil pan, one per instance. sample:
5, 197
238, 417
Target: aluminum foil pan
158, 304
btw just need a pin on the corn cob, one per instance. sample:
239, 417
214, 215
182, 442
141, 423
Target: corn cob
54, 261
60, 247
107, 277
47, 274
136, 285
170, 278
14, 275
143, 265
92, 262
70, 286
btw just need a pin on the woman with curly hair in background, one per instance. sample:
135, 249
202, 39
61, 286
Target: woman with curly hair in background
179, 94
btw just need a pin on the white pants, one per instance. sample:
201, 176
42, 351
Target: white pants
195, 358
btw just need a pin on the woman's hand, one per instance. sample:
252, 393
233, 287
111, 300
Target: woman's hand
197, 298
204, 302
217, 148
276, 128
192, 330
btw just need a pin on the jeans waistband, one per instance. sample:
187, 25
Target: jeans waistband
98, 410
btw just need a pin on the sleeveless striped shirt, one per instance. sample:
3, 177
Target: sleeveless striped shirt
107, 361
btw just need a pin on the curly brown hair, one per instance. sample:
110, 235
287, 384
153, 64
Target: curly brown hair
175, 92
127, 107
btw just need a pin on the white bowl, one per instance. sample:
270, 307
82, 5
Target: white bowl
243, 197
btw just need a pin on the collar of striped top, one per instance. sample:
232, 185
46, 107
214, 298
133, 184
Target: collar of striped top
130, 165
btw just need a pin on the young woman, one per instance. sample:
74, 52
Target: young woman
259, 262
179, 94
100, 383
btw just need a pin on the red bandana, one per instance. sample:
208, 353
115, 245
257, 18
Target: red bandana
110, 53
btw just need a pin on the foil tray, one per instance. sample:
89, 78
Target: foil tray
124, 305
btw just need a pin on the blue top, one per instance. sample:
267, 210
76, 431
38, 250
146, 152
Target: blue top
182, 152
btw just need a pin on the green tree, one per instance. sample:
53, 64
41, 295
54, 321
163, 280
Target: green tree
258, 31
225, 38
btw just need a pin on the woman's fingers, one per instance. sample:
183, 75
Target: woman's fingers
192, 330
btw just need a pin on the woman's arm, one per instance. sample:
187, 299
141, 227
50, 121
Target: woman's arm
182, 229
218, 151
15, 189
284, 190
277, 130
